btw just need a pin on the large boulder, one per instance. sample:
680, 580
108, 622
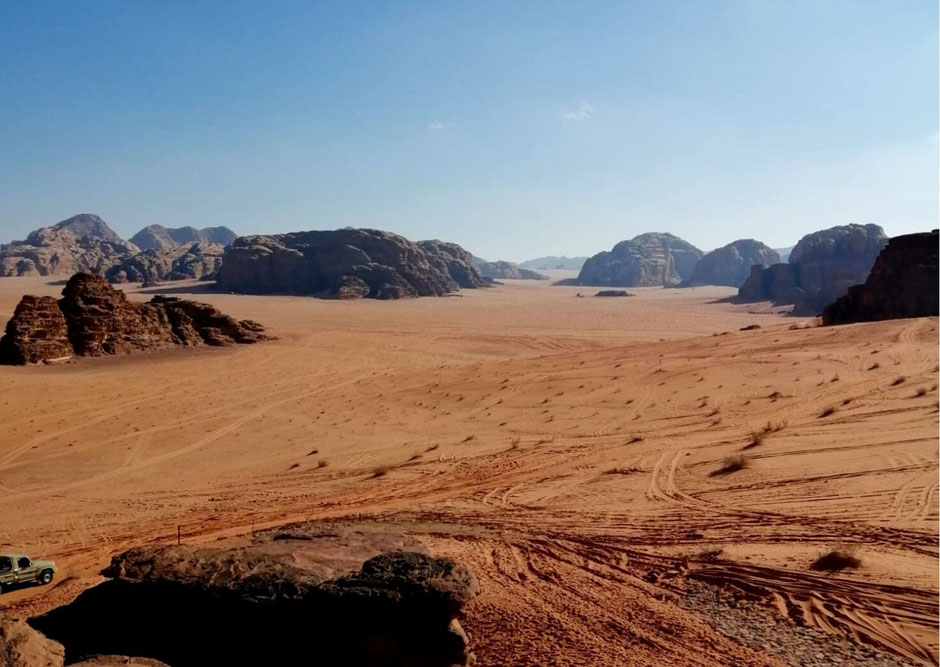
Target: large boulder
198, 606
81, 243
344, 263
648, 260
94, 319
903, 283
502, 270
196, 261
822, 267
731, 264
158, 237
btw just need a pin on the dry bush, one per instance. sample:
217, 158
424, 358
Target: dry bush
432, 448
874, 366
828, 411
313, 451
757, 439
380, 471
846, 401
711, 554
468, 438
921, 391
321, 463
835, 378
414, 457
632, 470
295, 465
635, 438
898, 380
733, 464
838, 558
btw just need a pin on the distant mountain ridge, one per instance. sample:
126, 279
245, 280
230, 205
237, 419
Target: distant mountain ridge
552, 262
158, 237
502, 270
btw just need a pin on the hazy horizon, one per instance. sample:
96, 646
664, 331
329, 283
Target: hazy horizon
517, 131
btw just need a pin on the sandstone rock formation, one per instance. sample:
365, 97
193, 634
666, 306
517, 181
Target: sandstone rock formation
551, 262
199, 606
21, 646
653, 259
345, 263
822, 267
158, 237
95, 319
903, 283
196, 261
502, 270
731, 264
81, 243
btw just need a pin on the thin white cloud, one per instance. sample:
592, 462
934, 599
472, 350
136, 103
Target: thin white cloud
435, 125
583, 110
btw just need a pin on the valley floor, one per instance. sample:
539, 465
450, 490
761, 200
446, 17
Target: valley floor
571, 451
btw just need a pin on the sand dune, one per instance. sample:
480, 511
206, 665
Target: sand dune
570, 451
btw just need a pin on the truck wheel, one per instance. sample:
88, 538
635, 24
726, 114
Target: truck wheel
45, 577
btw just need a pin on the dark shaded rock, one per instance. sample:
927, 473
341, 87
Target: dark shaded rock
822, 267
345, 263
613, 292
451, 259
158, 237
197, 261
903, 283
502, 270
81, 243
731, 264
191, 606
97, 319
36, 332
653, 259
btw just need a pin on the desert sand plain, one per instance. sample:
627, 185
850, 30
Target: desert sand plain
569, 451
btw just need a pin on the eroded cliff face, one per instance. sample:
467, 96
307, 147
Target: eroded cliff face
822, 267
648, 260
345, 263
158, 237
903, 283
196, 261
731, 264
93, 319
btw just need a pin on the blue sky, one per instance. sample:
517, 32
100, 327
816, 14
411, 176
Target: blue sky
516, 129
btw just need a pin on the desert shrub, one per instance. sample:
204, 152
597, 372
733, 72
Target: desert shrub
733, 464
898, 380
838, 558
380, 471
828, 411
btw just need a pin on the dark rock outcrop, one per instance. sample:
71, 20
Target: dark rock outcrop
197, 261
502, 270
731, 264
903, 283
158, 237
192, 606
653, 259
822, 267
81, 243
95, 319
345, 263
613, 292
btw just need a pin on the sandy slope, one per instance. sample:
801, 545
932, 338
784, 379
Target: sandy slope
564, 448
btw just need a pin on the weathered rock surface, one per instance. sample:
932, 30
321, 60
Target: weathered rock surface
653, 259
731, 264
95, 319
502, 270
21, 646
158, 237
81, 243
822, 267
903, 283
196, 261
199, 606
345, 263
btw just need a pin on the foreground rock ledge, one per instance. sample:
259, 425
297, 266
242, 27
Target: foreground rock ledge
94, 319
200, 606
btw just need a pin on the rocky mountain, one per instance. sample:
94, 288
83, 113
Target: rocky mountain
551, 262
186, 605
502, 270
822, 267
80, 243
784, 253
903, 283
93, 319
653, 259
346, 264
731, 264
158, 237
196, 261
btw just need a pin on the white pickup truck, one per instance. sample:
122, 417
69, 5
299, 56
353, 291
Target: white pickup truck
18, 569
